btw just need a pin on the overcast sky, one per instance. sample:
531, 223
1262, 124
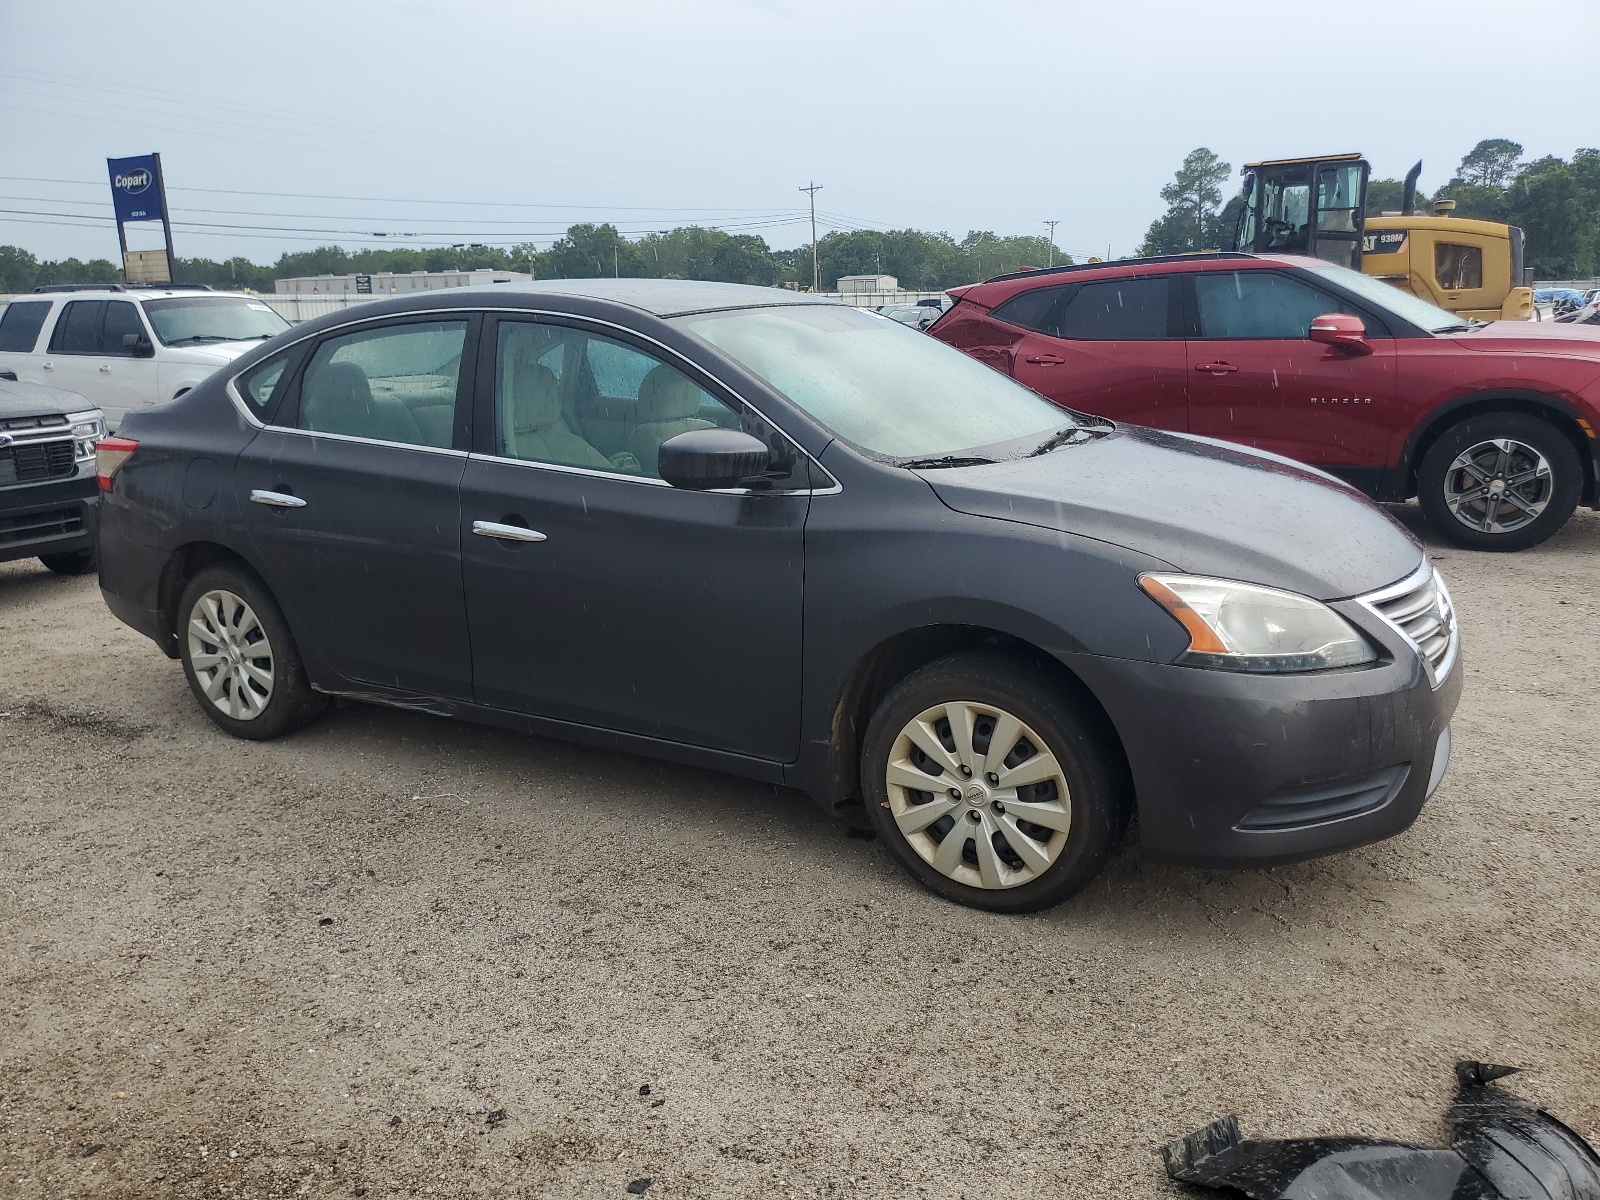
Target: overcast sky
501, 121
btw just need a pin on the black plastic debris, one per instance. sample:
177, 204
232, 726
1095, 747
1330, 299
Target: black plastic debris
1501, 1148
640, 1186
495, 1117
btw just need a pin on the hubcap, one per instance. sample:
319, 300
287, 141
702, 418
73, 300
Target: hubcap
230, 654
978, 795
1498, 486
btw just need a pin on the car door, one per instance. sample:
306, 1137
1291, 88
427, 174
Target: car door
1255, 377
1109, 346
127, 378
599, 594
21, 322
70, 357
352, 498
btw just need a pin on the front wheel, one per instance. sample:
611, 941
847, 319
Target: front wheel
239, 657
992, 785
1500, 481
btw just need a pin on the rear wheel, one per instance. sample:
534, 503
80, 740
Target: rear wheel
239, 657
993, 787
1500, 481
73, 562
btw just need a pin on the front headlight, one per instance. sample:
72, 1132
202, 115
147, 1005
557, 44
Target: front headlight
87, 428
1245, 627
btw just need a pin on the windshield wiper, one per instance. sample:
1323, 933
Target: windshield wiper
203, 337
949, 460
1071, 434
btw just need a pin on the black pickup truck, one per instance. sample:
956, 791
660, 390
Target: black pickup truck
48, 494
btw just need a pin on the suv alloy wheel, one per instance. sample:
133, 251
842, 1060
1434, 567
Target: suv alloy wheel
1500, 481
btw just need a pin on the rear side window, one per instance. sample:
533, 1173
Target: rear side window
20, 325
260, 384
1117, 310
78, 330
1029, 309
396, 383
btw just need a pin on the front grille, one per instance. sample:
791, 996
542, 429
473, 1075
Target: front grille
33, 527
15, 424
30, 462
1419, 608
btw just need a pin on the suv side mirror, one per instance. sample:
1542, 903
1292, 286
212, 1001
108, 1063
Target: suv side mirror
712, 458
138, 345
1343, 331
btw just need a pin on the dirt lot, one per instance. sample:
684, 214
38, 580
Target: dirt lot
394, 955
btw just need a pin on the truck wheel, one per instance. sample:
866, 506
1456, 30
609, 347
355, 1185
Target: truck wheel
73, 562
991, 786
1500, 481
240, 659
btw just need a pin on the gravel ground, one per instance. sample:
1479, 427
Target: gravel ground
394, 955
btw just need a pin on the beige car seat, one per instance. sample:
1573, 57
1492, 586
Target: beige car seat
535, 428
668, 405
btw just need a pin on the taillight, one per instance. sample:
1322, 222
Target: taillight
109, 455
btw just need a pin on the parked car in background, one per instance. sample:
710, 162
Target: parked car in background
128, 348
1491, 426
48, 497
767, 533
917, 314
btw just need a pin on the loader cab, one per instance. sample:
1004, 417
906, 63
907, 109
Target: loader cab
1311, 206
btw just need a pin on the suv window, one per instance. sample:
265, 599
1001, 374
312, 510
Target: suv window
1117, 310
1259, 304
396, 383
20, 324
78, 329
1029, 309
121, 318
1458, 267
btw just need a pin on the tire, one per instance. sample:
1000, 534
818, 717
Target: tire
73, 562
1486, 454
258, 687
1086, 823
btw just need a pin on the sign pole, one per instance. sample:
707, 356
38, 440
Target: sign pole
166, 221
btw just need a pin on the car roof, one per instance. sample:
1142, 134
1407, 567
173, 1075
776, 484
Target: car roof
127, 292
659, 297
1003, 287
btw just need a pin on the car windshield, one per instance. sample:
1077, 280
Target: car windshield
1390, 298
191, 320
876, 383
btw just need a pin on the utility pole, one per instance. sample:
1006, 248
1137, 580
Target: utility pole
816, 275
1052, 224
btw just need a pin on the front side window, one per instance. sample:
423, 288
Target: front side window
78, 330
122, 320
197, 320
396, 383
572, 398
1458, 267
1116, 310
20, 324
1259, 304
875, 383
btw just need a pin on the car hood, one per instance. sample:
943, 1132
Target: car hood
1513, 337
213, 354
37, 400
1205, 507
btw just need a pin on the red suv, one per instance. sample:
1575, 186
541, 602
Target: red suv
1491, 426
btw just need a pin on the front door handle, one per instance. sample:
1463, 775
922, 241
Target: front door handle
105, 368
276, 499
1045, 360
1216, 368
506, 533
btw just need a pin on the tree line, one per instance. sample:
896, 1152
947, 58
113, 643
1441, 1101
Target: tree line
1555, 201
921, 261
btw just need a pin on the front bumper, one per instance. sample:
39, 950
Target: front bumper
55, 517
1233, 770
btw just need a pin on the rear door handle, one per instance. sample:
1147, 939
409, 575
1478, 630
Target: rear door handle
1216, 368
105, 368
276, 499
1045, 360
506, 533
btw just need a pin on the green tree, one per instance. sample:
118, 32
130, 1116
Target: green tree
1385, 195
589, 252
1193, 220
19, 270
1549, 201
1492, 163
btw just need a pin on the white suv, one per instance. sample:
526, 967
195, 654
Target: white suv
128, 348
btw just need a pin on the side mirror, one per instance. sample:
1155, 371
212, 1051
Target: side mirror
711, 458
1343, 331
138, 345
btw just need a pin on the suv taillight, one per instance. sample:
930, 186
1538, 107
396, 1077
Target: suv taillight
109, 455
